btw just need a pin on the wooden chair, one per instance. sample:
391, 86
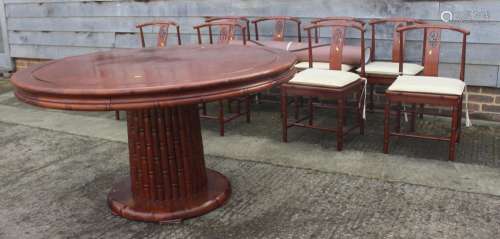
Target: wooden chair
161, 39
329, 84
326, 65
428, 88
302, 65
227, 30
326, 19
240, 19
279, 26
385, 72
278, 34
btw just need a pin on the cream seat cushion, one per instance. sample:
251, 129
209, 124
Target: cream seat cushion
321, 65
324, 78
391, 68
428, 84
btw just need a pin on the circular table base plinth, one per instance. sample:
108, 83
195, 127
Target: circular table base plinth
121, 202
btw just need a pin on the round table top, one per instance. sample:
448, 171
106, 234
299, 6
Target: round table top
145, 78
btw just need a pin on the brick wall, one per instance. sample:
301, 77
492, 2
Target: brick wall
23, 63
484, 103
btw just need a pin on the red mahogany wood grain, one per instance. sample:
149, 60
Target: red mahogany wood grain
145, 78
160, 89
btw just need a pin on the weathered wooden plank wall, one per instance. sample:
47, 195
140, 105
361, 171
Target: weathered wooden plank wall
59, 28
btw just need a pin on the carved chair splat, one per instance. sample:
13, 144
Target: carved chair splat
327, 19
279, 26
239, 19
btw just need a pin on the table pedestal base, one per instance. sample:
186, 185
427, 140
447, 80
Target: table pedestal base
168, 179
122, 203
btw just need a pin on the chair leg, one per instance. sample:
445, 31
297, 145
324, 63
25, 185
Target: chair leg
460, 114
204, 108
454, 129
229, 106
360, 103
372, 104
257, 99
311, 111
284, 115
387, 119
421, 115
117, 115
221, 117
238, 106
297, 107
413, 117
248, 107
340, 124
398, 118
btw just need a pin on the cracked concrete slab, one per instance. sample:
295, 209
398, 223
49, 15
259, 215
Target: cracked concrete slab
57, 183
414, 162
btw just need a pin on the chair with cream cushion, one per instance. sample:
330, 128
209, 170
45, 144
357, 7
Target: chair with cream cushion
329, 82
321, 65
385, 68
326, 65
428, 88
428, 84
385, 72
324, 78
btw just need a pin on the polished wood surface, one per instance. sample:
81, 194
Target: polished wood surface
160, 89
142, 78
168, 179
161, 37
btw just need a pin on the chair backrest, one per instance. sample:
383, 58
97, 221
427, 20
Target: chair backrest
226, 31
162, 36
242, 21
397, 22
432, 46
326, 19
338, 28
279, 26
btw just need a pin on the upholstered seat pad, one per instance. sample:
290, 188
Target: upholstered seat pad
322, 65
428, 84
324, 78
391, 68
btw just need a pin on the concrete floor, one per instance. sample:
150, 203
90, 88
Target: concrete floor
56, 168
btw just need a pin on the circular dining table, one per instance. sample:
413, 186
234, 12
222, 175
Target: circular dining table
160, 90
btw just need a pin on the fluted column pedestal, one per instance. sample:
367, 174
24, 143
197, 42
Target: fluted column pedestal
168, 179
